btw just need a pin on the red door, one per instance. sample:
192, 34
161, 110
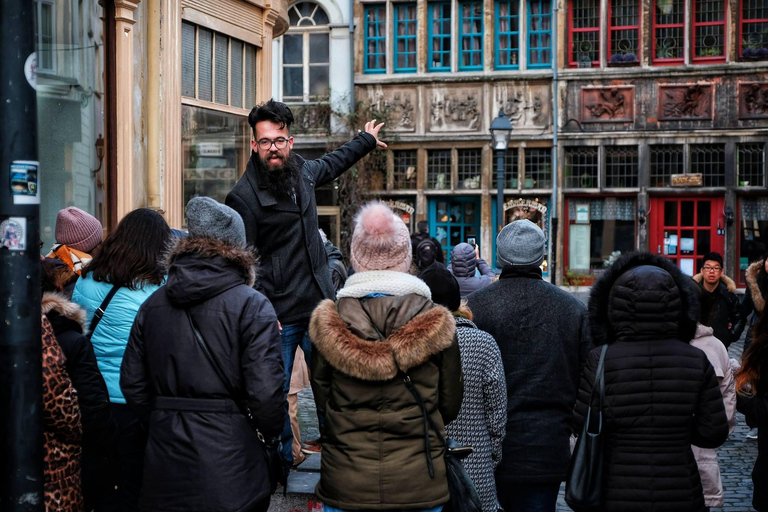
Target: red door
685, 229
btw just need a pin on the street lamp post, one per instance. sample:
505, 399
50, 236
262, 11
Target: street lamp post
501, 129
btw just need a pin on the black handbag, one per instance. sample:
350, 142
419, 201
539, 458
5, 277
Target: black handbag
277, 466
464, 497
583, 483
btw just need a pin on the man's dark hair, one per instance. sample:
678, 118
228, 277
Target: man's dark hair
422, 226
712, 256
275, 111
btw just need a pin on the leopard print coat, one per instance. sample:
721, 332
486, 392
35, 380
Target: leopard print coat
62, 429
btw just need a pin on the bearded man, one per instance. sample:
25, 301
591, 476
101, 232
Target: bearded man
276, 199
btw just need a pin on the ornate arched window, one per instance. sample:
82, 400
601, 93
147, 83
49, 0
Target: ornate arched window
306, 54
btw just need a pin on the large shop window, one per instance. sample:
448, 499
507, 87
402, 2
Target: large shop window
470, 168
751, 164
538, 168
510, 169
439, 36
375, 45
306, 54
584, 33
539, 34
621, 166
753, 43
624, 30
470, 35
439, 169
581, 167
405, 38
709, 160
666, 160
405, 169
507, 34
753, 232
215, 149
599, 230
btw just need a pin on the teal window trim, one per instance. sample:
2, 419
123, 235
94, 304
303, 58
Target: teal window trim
441, 37
513, 21
538, 20
464, 229
402, 21
378, 38
470, 36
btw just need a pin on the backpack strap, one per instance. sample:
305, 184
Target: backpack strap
99, 313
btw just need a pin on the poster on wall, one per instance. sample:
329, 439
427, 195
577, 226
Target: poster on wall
579, 246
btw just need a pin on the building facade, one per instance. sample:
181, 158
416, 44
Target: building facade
637, 124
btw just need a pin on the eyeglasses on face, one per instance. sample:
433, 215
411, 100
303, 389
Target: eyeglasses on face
711, 269
266, 144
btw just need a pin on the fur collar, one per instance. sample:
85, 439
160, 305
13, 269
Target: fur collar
757, 297
388, 282
244, 258
65, 307
727, 281
411, 345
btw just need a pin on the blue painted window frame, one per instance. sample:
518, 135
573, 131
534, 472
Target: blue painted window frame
470, 35
397, 55
462, 227
540, 18
432, 36
379, 39
513, 21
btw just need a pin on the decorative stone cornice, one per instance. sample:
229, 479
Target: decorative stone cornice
124, 10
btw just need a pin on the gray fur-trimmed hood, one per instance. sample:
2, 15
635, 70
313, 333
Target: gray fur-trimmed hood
677, 308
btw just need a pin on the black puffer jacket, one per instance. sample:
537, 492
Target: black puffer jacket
202, 455
661, 394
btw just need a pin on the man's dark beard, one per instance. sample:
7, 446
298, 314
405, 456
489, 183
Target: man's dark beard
280, 181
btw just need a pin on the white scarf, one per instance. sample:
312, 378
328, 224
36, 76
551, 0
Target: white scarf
387, 282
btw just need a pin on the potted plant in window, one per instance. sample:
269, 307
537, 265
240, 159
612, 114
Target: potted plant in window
665, 7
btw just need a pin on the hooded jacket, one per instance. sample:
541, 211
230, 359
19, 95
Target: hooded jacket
756, 407
754, 298
202, 454
661, 393
295, 274
725, 315
464, 261
373, 439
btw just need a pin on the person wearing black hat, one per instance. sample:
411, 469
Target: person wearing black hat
483, 416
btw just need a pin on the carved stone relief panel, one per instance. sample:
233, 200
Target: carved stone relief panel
686, 101
399, 105
528, 106
753, 100
454, 110
612, 104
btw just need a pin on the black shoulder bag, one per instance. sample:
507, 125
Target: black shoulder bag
583, 483
464, 497
276, 464
99, 313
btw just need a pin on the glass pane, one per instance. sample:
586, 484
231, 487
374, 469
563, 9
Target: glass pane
205, 61
455, 236
319, 48
318, 81
320, 17
250, 76
469, 213
236, 74
306, 8
704, 242
222, 62
704, 213
292, 49
686, 213
442, 212
214, 151
670, 213
687, 241
187, 60
293, 82
456, 213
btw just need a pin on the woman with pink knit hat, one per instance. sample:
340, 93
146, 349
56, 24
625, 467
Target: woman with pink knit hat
77, 235
379, 451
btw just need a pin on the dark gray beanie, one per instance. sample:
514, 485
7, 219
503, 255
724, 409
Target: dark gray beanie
209, 219
520, 243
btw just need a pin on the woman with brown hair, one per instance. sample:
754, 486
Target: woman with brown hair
752, 400
125, 271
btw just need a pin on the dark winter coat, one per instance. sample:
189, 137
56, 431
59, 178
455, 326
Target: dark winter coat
543, 337
661, 393
725, 315
202, 454
373, 439
417, 238
68, 322
294, 268
754, 298
464, 261
336, 264
757, 407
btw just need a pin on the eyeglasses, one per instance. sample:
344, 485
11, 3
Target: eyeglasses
711, 269
266, 144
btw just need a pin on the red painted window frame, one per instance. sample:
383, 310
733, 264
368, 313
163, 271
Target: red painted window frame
741, 26
694, 25
637, 27
572, 63
665, 62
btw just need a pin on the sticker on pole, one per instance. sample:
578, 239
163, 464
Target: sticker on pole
30, 69
24, 185
13, 234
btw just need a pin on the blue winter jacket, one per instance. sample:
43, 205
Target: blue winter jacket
111, 335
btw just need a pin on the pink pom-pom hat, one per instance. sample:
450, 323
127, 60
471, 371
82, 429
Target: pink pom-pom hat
380, 241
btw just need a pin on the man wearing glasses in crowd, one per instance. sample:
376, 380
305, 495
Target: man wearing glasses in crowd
276, 199
724, 317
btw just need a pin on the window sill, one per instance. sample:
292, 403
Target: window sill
623, 64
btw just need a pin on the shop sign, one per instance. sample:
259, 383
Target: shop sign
528, 204
210, 149
399, 205
582, 213
687, 180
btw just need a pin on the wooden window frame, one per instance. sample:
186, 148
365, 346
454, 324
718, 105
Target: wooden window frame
656, 61
612, 29
380, 39
431, 37
744, 21
397, 9
695, 25
498, 34
571, 31
470, 35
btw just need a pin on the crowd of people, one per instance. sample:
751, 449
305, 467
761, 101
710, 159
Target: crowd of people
170, 358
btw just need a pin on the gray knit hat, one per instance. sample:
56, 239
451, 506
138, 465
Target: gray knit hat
520, 243
209, 219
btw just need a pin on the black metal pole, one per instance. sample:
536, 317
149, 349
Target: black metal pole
499, 193
21, 413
